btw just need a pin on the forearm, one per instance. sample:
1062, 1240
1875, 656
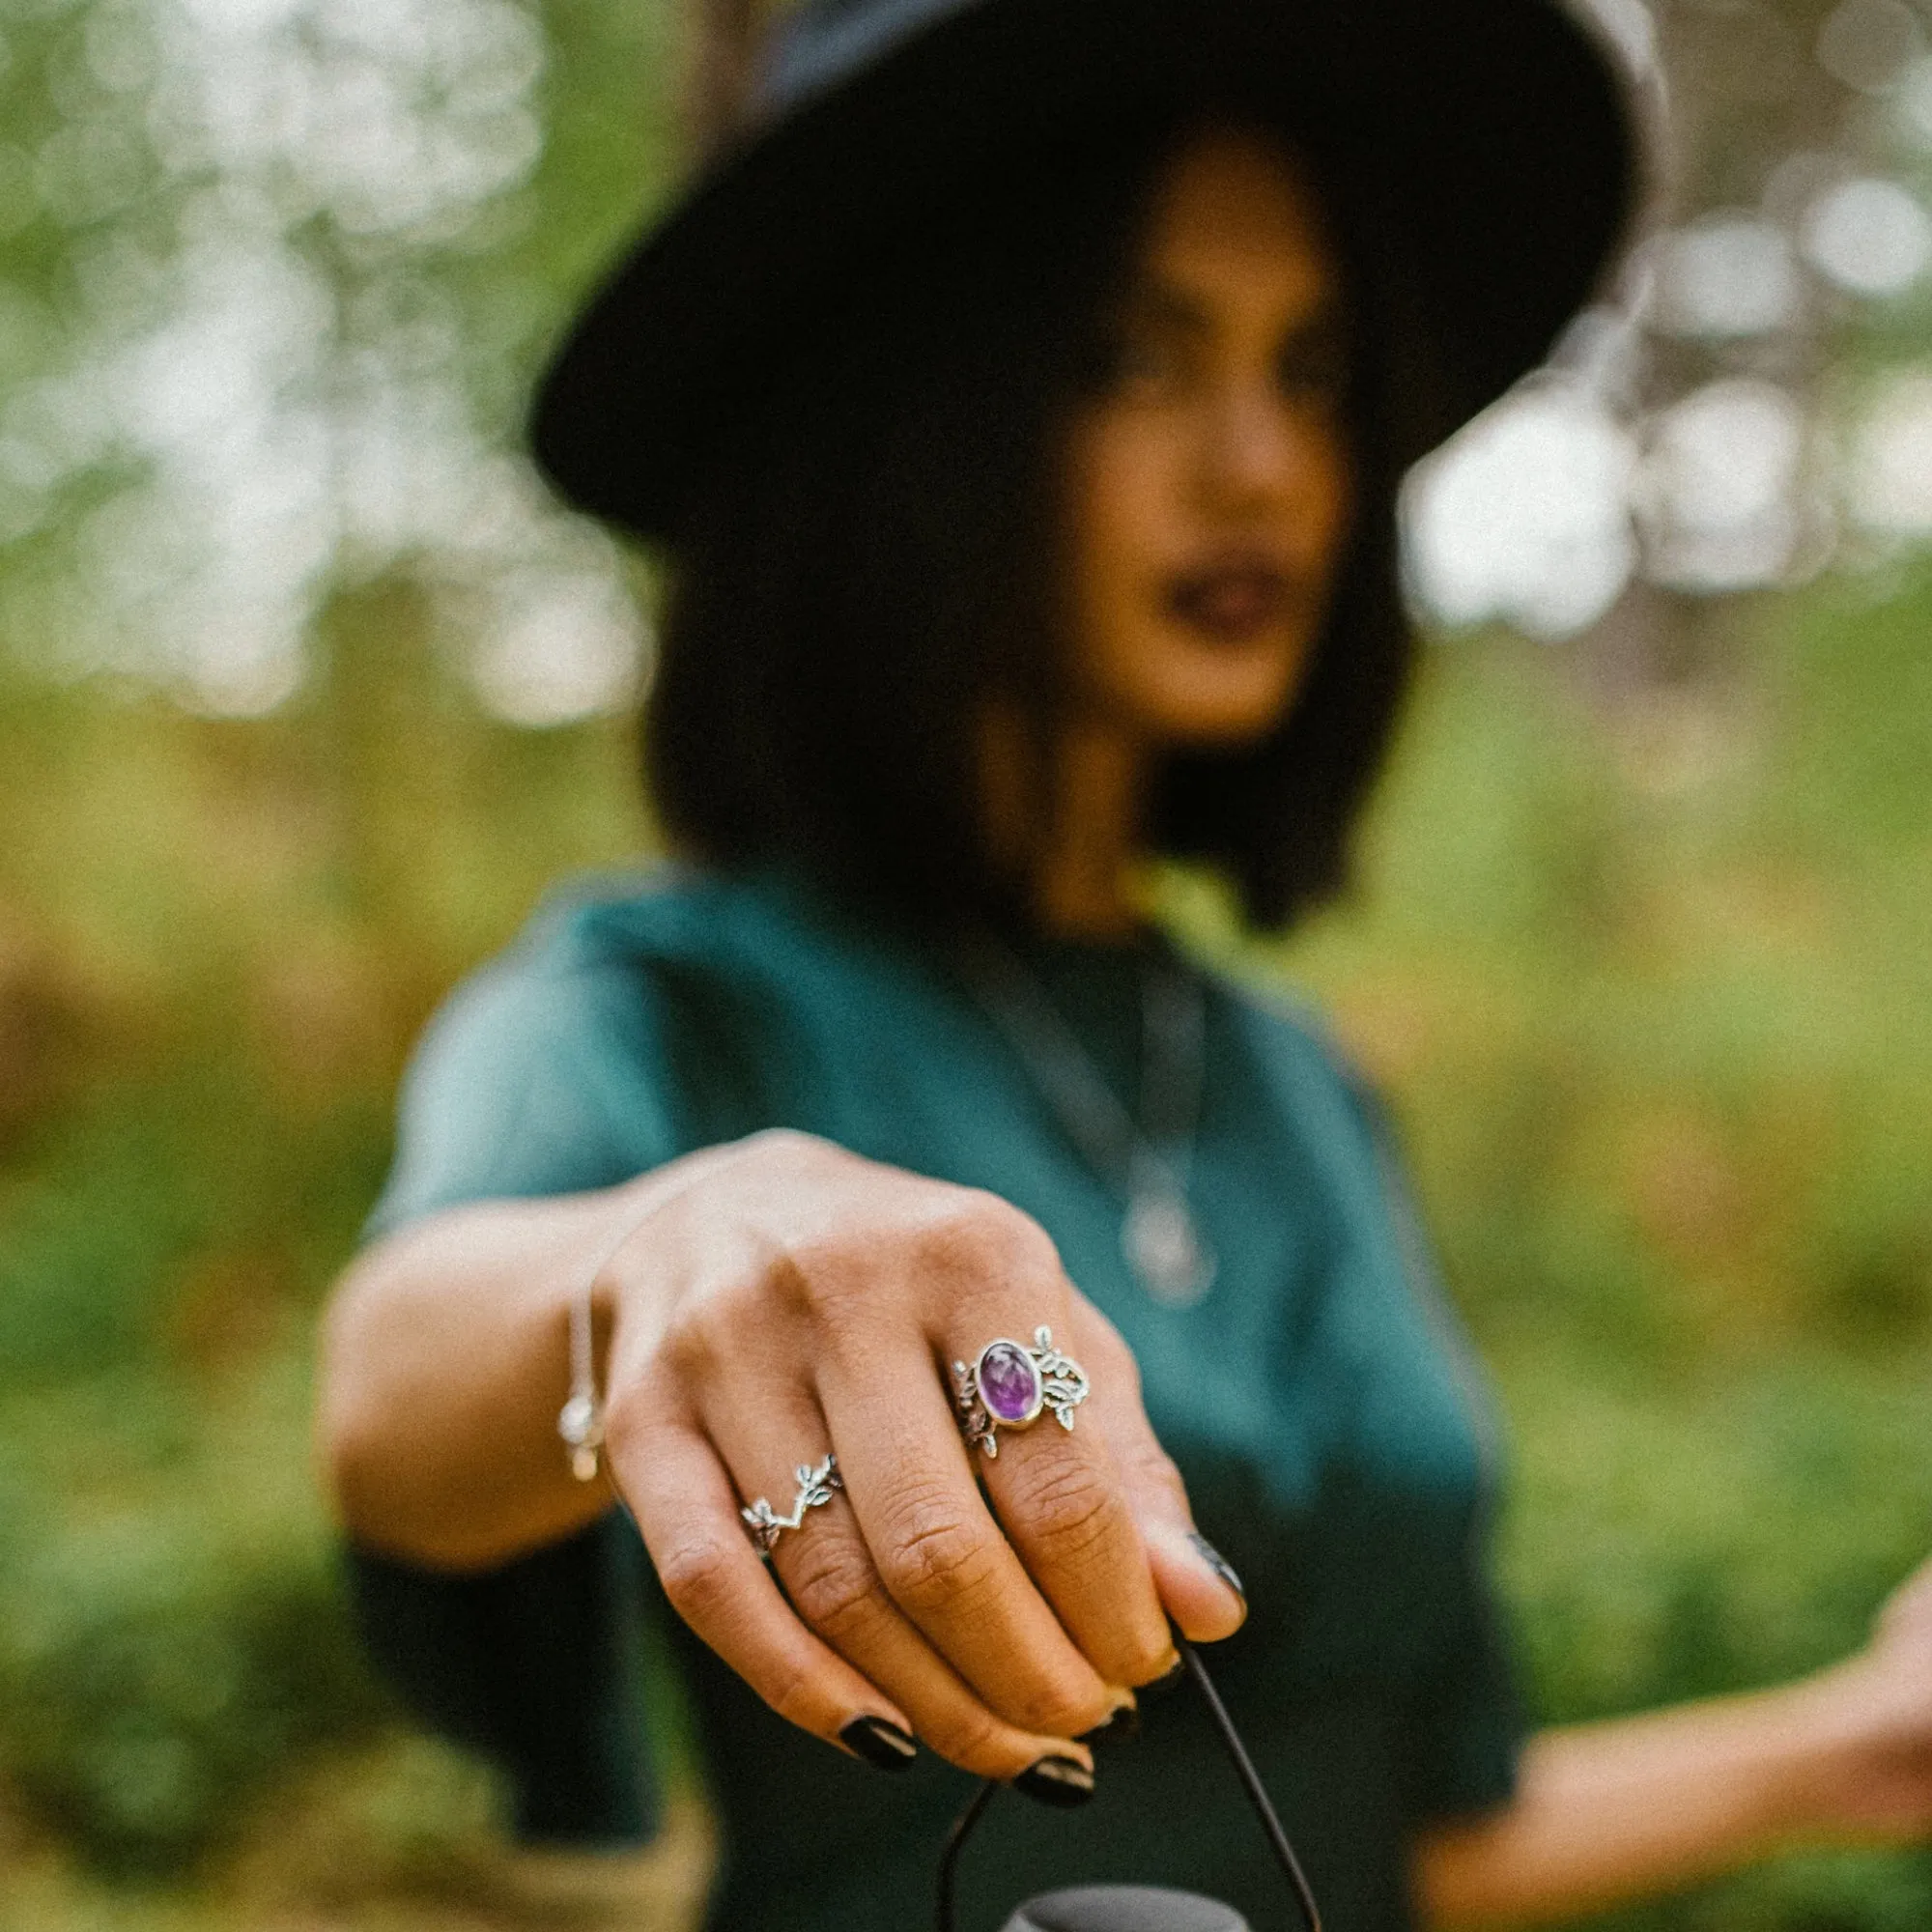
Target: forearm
1627, 1809
444, 1362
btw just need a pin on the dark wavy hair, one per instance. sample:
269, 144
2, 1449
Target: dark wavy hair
874, 546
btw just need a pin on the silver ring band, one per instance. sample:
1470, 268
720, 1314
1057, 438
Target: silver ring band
1008, 1386
765, 1525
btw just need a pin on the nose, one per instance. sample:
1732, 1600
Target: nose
1256, 450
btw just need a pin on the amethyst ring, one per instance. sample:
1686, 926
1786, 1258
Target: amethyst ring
1007, 1388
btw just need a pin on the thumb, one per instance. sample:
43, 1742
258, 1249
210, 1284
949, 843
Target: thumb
1198, 1586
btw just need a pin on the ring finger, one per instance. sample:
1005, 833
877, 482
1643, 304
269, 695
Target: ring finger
834, 1586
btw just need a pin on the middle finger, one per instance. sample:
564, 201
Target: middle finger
940, 1553
1059, 1495
833, 1586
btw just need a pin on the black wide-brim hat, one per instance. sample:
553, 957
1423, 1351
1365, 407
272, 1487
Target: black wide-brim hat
1501, 135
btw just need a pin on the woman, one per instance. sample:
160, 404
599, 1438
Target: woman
1018, 408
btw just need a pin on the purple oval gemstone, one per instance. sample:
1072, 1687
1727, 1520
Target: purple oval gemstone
1009, 1383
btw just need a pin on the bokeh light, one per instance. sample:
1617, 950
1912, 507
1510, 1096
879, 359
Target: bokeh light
1725, 274
1712, 454
263, 373
260, 379
1525, 515
1869, 237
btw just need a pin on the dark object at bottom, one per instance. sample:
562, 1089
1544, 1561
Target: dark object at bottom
1125, 1908
1136, 1908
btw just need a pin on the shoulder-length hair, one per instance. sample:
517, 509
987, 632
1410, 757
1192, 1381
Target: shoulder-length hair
874, 548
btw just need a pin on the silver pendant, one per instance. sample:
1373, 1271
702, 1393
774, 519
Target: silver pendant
1165, 1248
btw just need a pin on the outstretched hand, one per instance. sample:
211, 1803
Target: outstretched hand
795, 1301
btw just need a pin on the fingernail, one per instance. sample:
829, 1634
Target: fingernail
1120, 1728
1059, 1782
1218, 1563
880, 1743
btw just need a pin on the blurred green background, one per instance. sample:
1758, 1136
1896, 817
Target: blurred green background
305, 696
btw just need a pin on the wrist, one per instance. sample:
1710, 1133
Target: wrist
1837, 1721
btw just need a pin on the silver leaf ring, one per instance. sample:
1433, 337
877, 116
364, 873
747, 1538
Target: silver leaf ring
765, 1525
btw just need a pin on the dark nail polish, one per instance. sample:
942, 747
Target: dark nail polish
1059, 1782
1122, 1727
881, 1744
1217, 1563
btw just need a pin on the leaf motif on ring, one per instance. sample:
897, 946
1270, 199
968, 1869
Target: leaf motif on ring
974, 1421
1064, 1382
815, 1487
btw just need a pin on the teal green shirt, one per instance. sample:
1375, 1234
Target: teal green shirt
1320, 1402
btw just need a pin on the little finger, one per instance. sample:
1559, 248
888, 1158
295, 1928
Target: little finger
676, 1487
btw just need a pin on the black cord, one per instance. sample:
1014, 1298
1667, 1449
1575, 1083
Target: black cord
1251, 1783
947, 1920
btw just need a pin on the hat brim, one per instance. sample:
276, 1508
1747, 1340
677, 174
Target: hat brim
1504, 135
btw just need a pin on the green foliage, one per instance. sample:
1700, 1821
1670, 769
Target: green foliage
1646, 971
1649, 1018
1645, 967
154, 1678
242, 926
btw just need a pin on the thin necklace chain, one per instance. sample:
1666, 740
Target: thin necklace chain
1148, 1163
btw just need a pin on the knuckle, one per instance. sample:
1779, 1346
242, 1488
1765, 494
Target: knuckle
819, 1272
795, 1277
833, 1587
830, 1287
782, 1143
981, 1235
689, 1346
934, 1558
1071, 1508
790, 1156
696, 1575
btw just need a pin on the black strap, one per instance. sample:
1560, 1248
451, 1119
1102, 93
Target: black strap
945, 1919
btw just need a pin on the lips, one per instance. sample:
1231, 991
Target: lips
1233, 603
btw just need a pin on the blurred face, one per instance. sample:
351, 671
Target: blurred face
1208, 476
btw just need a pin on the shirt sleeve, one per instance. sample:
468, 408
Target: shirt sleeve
1465, 1724
535, 1666
535, 1078
1468, 1723
1467, 1727
538, 1077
